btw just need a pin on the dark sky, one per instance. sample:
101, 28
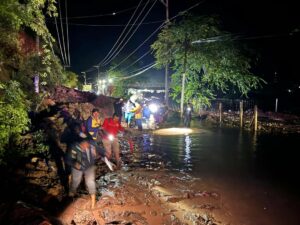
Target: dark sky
269, 23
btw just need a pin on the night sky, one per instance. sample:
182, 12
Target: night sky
272, 30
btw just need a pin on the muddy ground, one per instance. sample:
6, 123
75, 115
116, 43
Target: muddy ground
144, 191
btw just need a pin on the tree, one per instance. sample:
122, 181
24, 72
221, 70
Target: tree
71, 79
13, 115
206, 68
29, 16
118, 88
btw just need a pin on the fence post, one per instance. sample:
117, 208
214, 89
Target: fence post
241, 113
255, 118
220, 112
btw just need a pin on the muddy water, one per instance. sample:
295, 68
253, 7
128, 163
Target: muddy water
257, 174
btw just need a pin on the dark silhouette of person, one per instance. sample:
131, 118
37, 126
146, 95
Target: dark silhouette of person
187, 115
118, 105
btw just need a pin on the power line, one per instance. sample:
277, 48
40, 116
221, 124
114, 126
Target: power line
161, 26
138, 73
106, 14
67, 28
114, 25
120, 34
62, 33
59, 43
105, 62
138, 46
137, 60
131, 34
139, 69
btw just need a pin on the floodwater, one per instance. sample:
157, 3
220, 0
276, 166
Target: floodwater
257, 174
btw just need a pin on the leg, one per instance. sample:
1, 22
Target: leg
116, 150
107, 146
90, 183
139, 124
76, 179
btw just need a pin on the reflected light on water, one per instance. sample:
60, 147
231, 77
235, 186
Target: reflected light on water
187, 155
174, 131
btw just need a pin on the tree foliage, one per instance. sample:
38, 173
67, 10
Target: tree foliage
13, 115
71, 79
29, 16
20, 61
210, 67
119, 88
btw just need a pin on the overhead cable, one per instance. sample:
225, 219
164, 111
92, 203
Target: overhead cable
113, 25
131, 34
105, 62
161, 26
106, 14
138, 73
120, 34
59, 43
67, 28
136, 60
62, 33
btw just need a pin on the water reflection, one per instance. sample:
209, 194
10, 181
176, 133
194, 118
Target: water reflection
187, 155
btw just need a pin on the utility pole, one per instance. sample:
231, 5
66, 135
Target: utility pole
166, 4
98, 78
84, 76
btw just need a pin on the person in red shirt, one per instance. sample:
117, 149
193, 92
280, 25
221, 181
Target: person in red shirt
111, 127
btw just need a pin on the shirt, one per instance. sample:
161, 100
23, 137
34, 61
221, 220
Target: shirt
111, 127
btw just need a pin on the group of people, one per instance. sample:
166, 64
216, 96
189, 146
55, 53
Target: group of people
129, 109
140, 111
87, 139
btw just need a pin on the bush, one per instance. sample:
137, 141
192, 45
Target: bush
13, 116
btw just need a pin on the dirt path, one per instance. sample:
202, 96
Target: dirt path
146, 197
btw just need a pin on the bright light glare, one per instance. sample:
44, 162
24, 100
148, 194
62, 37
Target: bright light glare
173, 131
153, 108
110, 80
110, 137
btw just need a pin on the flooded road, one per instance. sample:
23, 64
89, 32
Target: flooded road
257, 174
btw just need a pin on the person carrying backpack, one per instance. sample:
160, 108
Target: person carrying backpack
82, 159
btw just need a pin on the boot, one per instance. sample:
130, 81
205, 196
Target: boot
93, 201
